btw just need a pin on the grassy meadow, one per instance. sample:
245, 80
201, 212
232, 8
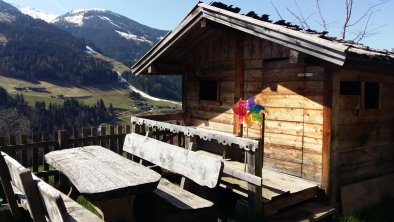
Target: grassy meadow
114, 93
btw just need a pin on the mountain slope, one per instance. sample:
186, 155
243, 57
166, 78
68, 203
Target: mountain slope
33, 49
37, 14
114, 35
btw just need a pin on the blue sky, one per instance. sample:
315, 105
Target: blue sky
166, 14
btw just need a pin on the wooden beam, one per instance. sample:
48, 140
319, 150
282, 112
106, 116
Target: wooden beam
326, 130
185, 86
334, 143
239, 74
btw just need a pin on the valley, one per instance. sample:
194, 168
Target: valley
113, 93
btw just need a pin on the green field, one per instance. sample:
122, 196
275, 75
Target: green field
114, 93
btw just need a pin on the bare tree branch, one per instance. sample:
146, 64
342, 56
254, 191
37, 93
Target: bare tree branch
300, 16
276, 9
366, 14
324, 23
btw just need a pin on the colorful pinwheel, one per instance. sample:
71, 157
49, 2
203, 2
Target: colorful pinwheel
247, 112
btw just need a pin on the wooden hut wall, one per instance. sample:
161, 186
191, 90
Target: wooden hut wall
294, 105
215, 60
363, 138
294, 108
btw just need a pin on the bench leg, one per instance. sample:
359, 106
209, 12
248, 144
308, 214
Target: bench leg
118, 209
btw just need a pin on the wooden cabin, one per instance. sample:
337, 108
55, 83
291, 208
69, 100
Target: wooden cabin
329, 103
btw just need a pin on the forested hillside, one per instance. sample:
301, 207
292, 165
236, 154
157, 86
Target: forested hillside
161, 86
34, 49
18, 118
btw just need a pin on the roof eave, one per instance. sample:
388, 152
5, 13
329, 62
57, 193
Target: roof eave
296, 40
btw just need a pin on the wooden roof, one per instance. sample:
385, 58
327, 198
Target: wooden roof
189, 33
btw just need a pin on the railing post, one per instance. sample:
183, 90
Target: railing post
94, 135
45, 138
85, 137
63, 139
255, 165
35, 153
119, 131
2, 145
63, 144
112, 144
128, 129
24, 151
12, 142
75, 136
103, 141
56, 147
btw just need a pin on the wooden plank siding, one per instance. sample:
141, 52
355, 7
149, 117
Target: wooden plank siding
294, 105
365, 137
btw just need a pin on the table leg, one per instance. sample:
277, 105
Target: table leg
118, 209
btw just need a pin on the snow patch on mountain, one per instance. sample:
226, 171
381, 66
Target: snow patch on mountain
90, 50
37, 14
109, 20
129, 36
75, 19
145, 95
6, 17
83, 11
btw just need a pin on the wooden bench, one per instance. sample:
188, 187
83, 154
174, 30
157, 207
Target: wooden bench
42, 201
204, 171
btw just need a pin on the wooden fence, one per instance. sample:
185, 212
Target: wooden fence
30, 150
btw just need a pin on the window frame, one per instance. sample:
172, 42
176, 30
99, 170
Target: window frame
218, 100
362, 96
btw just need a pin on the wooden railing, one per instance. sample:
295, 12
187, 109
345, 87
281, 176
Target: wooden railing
229, 144
30, 150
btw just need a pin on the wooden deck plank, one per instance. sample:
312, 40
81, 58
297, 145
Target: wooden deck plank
274, 183
311, 211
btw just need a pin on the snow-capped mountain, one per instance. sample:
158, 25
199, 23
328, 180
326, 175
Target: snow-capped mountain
31, 49
114, 35
37, 14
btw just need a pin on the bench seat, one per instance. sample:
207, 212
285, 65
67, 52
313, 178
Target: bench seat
179, 197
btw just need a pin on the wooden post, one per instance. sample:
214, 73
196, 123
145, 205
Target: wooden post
2, 145
327, 131
185, 182
56, 147
179, 136
35, 154
24, 151
63, 139
5, 179
94, 135
255, 208
184, 92
128, 129
85, 136
33, 198
75, 136
12, 141
63, 144
239, 75
112, 144
45, 138
103, 132
119, 131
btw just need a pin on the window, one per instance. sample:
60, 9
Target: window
209, 91
371, 95
350, 88
368, 93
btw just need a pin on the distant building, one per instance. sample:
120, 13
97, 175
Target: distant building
37, 89
19, 88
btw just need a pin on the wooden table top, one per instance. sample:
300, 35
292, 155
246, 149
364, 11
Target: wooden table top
99, 173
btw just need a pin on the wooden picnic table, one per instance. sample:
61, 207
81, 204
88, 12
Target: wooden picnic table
105, 178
